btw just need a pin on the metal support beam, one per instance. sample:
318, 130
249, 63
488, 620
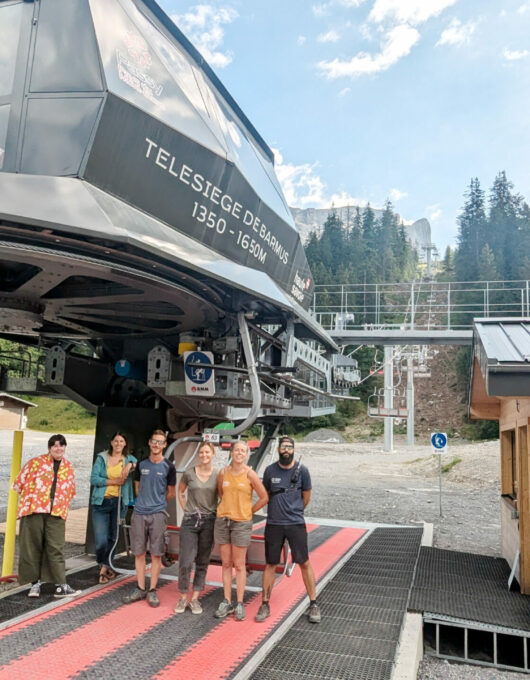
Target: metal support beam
389, 381
410, 402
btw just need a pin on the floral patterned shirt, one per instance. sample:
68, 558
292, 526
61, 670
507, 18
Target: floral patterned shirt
34, 484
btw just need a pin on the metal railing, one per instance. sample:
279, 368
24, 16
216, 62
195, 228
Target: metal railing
429, 305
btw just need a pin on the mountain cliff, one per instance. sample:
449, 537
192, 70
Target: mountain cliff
312, 219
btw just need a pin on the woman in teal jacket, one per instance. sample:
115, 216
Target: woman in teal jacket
110, 473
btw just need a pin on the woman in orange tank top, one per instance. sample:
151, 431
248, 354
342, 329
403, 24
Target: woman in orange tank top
233, 525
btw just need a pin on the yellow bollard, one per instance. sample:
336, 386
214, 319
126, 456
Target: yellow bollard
12, 500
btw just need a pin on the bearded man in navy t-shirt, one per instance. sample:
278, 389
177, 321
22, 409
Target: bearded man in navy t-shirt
288, 484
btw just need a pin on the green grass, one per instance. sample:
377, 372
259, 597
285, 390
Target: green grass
451, 464
59, 415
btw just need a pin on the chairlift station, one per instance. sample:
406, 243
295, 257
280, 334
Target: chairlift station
141, 220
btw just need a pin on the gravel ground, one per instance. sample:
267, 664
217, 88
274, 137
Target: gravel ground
360, 481
438, 669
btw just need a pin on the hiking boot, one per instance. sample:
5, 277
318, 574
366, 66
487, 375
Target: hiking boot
64, 590
152, 598
181, 605
134, 596
263, 612
195, 606
314, 614
224, 608
240, 611
34, 591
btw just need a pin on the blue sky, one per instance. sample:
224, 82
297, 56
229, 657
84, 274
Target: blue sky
364, 100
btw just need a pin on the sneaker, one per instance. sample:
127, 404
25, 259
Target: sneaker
64, 590
314, 614
195, 606
224, 608
181, 605
240, 611
34, 591
152, 598
134, 596
263, 612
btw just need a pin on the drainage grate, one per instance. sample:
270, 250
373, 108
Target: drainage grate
488, 645
362, 612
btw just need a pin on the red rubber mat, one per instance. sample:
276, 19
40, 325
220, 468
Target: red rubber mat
96, 636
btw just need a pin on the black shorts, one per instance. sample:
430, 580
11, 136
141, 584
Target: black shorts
296, 535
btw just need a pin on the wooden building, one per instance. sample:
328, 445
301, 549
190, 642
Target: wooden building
500, 390
13, 412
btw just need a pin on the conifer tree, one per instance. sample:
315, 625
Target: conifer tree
472, 226
487, 268
502, 226
448, 265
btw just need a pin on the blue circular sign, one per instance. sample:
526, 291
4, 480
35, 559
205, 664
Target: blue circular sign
439, 440
198, 374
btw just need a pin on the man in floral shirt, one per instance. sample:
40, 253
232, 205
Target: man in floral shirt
46, 486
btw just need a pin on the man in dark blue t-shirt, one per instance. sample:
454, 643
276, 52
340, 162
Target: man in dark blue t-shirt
289, 487
155, 479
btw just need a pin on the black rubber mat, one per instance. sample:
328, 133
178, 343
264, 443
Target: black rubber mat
362, 609
16, 604
468, 586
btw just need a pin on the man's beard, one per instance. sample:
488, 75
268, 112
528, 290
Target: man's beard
286, 458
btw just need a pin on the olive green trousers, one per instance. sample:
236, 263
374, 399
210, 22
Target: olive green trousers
41, 549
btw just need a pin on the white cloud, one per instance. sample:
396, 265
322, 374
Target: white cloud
514, 55
397, 43
303, 188
413, 12
457, 33
396, 194
344, 91
434, 212
322, 9
524, 8
301, 40
203, 25
330, 36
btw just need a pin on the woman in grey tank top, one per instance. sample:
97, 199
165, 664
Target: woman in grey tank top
197, 494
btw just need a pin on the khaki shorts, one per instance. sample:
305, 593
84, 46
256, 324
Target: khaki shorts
227, 530
148, 530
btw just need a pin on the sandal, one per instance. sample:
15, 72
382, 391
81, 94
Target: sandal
111, 574
103, 578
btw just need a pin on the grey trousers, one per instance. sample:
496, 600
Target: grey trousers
41, 544
196, 543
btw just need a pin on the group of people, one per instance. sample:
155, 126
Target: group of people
218, 508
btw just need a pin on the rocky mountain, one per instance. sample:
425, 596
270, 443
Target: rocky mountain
312, 219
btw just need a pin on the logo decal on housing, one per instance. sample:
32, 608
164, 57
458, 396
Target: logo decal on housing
134, 66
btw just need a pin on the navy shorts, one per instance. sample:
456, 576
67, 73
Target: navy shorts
276, 534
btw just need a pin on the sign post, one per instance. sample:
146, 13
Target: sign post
439, 446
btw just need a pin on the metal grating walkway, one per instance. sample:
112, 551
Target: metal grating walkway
469, 614
468, 586
362, 612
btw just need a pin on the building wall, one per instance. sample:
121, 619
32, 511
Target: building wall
10, 417
515, 533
